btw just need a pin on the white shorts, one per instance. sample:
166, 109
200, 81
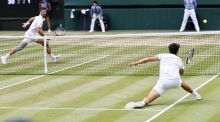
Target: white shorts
29, 37
163, 85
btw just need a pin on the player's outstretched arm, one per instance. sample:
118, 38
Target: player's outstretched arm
24, 25
181, 71
145, 60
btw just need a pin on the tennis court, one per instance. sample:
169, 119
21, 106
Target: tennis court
92, 82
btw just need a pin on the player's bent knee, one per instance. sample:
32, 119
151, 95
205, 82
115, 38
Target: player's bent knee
19, 48
159, 90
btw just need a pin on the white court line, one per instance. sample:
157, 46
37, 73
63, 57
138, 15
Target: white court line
181, 99
207, 55
52, 72
79, 109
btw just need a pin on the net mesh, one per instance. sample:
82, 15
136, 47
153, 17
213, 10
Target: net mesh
111, 54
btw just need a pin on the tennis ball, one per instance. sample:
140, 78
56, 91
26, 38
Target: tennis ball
205, 21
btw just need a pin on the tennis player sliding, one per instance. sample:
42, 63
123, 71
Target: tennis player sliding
35, 28
171, 67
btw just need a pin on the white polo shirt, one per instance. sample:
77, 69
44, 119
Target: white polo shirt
170, 65
38, 22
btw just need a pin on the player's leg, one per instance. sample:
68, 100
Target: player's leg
54, 58
102, 24
194, 19
153, 95
156, 92
48, 23
187, 88
20, 47
185, 19
94, 17
41, 42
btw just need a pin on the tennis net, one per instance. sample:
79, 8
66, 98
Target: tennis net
111, 54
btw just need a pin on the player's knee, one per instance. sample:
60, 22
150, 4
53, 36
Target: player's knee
19, 48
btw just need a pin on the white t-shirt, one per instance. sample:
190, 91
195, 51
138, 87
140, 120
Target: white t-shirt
170, 65
38, 22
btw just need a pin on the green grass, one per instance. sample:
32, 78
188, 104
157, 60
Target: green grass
97, 91
102, 92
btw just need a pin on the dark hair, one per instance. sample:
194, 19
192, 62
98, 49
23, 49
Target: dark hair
43, 8
95, 2
174, 48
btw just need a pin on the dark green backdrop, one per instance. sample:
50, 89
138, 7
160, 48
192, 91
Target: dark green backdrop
136, 2
144, 14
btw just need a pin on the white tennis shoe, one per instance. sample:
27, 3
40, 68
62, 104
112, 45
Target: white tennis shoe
132, 105
196, 95
55, 58
4, 60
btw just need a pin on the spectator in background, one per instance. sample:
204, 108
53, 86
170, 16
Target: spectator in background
96, 13
46, 4
190, 6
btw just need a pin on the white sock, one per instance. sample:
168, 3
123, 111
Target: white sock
194, 93
7, 55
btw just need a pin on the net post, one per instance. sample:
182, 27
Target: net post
45, 55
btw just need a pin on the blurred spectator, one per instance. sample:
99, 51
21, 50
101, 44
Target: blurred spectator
46, 4
96, 13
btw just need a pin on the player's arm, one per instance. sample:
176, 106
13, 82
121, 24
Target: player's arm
24, 25
49, 7
184, 3
145, 60
40, 28
40, 31
195, 3
91, 12
101, 12
181, 71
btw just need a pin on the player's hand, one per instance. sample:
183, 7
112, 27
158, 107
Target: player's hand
24, 25
101, 17
132, 64
93, 16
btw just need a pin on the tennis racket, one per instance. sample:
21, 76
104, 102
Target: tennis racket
60, 31
190, 56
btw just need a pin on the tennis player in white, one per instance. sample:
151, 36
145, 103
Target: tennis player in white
171, 67
31, 34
